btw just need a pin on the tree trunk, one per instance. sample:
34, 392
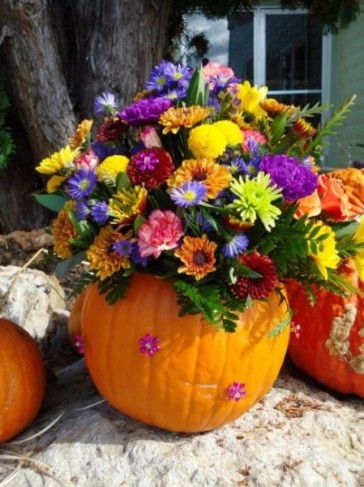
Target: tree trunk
57, 56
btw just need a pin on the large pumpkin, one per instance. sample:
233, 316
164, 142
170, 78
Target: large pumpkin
180, 373
74, 320
22, 379
329, 341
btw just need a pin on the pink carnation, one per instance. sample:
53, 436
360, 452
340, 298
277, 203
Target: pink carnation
161, 232
253, 135
88, 160
212, 69
150, 138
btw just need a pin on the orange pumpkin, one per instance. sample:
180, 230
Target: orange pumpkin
353, 182
74, 320
180, 373
328, 343
22, 379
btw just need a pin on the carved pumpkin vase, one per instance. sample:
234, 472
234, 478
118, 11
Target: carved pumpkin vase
328, 338
180, 373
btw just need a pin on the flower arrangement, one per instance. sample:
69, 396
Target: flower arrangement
205, 181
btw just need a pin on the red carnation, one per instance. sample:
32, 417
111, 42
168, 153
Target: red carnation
111, 130
150, 167
261, 287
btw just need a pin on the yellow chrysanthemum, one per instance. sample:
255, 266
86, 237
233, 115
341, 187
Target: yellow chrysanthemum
63, 231
250, 97
57, 161
206, 141
54, 183
79, 137
110, 167
127, 204
101, 255
197, 255
213, 175
324, 252
273, 108
175, 118
359, 234
231, 131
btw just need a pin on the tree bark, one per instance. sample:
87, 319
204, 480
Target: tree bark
58, 55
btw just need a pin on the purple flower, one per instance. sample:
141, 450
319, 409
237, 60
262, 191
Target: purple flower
100, 212
202, 221
137, 258
80, 344
105, 104
149, 345
235, 246
81, 210
190, 193
295, 179
103, 150
81, 184
236, 391
123, 247
168, 76
144, 111
146, 160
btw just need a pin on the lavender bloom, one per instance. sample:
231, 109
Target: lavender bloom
137, 258
168, 76
81, 184
100, 212
189, 194
103, 150
123, 247
296, 180
237, 244
144, 111
105, 104
81, 210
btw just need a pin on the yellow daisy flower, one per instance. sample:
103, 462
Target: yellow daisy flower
324, 252
213, 175
57, 161
175, 118
54, 183
110, 167
101, 255
79, 137
206, 141
231, 131
197, 255
63, 231
127, 204
250, 97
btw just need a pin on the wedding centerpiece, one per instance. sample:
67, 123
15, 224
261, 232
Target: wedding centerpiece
192, 206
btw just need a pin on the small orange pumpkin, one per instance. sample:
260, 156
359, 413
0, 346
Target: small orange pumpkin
180, 373
353, 182
22, 379
74, 320
328, 343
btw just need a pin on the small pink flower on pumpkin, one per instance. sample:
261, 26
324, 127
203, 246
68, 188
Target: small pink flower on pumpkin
162, 231
295, 329
150, 138
149, 345
80, 344
236, 391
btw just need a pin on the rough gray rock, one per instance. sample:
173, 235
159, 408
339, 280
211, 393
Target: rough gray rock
299, 435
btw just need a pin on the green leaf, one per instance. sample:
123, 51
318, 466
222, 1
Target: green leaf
138, 222
278, 126
63, 267
53, 202
122, 181
196, 89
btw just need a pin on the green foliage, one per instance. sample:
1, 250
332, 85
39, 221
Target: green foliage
114, 287
6, 140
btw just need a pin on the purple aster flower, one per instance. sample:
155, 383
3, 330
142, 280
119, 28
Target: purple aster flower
100, 212
137, 258
103, 150
81, 184
176, 94
177, 74
202, 221
81, 210
149, 345
236, 391
145, 111
235, 246
190, 193
105, 104
167, 75
296, 180
158, 79
123, 247
222, 81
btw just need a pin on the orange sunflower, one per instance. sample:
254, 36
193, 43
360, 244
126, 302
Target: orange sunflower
82, 132
175, 118
63, 232
197, 255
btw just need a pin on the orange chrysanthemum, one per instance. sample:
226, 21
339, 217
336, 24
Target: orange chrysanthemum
213, 175
63, 231
102, 256
303, 129
274, 108
81, 134
175, 118
197, 255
